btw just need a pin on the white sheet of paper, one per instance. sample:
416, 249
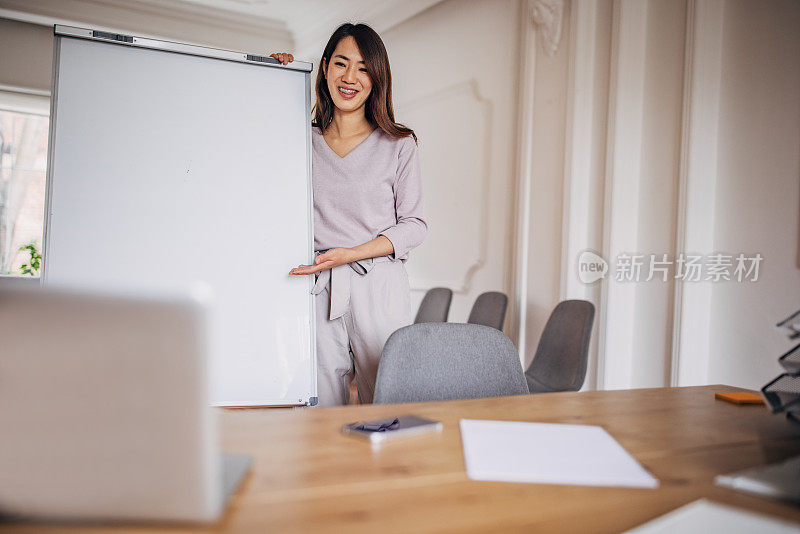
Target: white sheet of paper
704, 516
547, 453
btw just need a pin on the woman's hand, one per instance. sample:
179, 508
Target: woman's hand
330, 259
283, 57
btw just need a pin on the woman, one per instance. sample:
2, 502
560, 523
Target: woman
367, 212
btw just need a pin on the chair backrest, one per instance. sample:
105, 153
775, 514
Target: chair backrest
560, 360
489, 309
445, 361
435, 306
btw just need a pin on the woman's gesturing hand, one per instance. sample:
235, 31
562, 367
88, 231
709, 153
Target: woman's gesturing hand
283, 57
330, 259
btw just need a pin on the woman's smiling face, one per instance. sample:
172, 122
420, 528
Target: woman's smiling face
346, 75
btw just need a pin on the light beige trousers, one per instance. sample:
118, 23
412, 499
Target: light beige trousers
358, 306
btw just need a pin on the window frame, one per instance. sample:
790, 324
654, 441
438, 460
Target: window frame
32, 102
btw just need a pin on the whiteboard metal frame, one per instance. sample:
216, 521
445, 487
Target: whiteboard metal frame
181, 48
61, 31
51, 143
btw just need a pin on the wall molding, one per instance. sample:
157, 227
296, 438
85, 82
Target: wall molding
621, 203
470, 89
581, 183
697, 187
24, 101
518, 306
547, 16
578, 147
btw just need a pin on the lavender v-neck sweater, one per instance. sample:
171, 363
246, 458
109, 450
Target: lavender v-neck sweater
376, 189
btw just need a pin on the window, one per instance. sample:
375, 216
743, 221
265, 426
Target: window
23, 168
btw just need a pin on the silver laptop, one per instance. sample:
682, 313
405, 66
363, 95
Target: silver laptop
104, 409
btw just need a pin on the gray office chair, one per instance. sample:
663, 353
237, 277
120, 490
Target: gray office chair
435, 306
445, 361
560, 360
489, 309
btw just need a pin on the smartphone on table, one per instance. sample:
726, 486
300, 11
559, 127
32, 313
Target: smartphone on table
390, 428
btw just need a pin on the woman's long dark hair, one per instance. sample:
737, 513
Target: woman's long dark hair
378, 107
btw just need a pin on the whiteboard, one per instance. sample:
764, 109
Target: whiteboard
172, 165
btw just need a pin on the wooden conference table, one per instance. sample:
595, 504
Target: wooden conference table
308, 477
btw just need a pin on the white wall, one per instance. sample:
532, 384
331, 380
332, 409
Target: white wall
587, 86
658, 187
191, 23
546, 145
455, 84
26, 55
758, 187
26, 49
660, 85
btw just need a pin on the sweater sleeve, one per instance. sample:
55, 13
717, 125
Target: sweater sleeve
411, 227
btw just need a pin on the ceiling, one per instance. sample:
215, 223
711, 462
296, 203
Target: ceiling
311, 21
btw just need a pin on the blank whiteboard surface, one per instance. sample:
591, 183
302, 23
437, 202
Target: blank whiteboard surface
170, 169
